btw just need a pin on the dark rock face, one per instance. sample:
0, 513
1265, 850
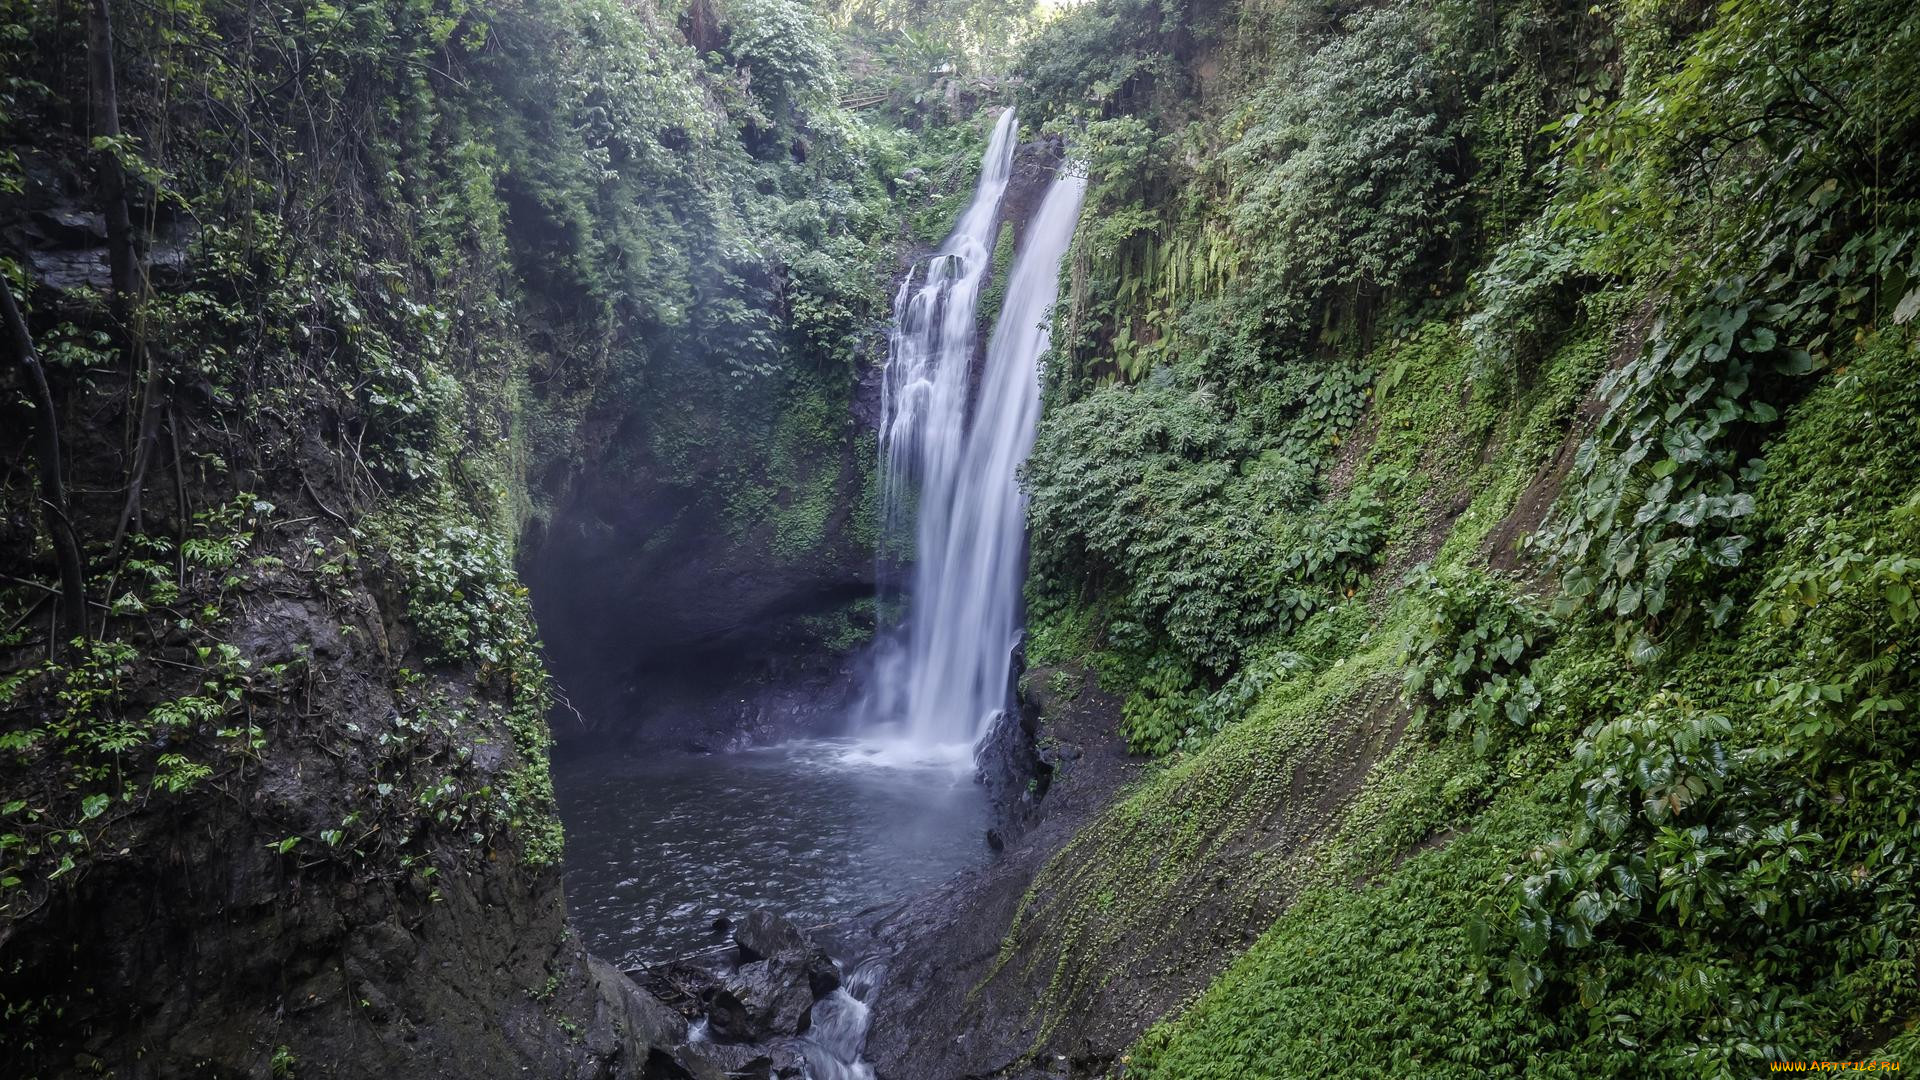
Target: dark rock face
1008, 765
1013, 775
762, 935
297, 902
1034, 166
823, 975
763, 999
770, 992
766, 937
666, 622
744, 1062
197, 948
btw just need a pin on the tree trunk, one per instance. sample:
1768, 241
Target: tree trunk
129, 278
53, 488
121, 258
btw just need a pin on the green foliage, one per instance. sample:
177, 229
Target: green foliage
1131, 480
1683, 892
1355, 283
1103, 57
1776, 261
461, 594
96, 754
469, 608
1860, 425
1148, 873
1363, 980
526, 797
1471, 653
784, 50
1001, 267
1519, 300
971, 37
1668, 506
1358, 115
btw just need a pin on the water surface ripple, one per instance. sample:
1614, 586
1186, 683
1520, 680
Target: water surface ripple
657, 848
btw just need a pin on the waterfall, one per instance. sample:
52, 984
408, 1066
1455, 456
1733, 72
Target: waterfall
923, 390
944, 675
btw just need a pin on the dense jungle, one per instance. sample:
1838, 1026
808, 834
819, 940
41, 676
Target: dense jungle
964, 540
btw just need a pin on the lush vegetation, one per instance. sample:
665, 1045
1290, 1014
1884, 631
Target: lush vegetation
1551, 364
316, 308
1479, 446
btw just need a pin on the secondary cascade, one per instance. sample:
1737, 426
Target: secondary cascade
943, 676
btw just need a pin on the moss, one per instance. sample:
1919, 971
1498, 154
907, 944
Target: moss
527, 793
1002, 266
1849, 449
804, 467
844, 628
1139, 877
1372, 979
863, 525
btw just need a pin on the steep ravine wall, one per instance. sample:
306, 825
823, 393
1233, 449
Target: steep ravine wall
316, 841
672, 618
278, 803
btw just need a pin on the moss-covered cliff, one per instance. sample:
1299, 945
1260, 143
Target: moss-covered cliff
318, 314
1479, 451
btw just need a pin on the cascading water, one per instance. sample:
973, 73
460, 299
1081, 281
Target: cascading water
923, 391
821, 828
945, 675
839, 1031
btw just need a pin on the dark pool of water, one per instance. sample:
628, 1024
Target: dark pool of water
657, 848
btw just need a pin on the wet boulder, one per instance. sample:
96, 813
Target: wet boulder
731, 1061
762, 935
727, 1018
823, 975
773, 997
770, 991
1009, 769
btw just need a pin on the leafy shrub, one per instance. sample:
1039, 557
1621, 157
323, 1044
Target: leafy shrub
462, 596
1657, 498
1520, 299
1762, 269
1324, 554
1104, 56
1159, 712
784, 46
1470, 653
1344, 176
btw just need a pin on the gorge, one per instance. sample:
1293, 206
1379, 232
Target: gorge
977, 540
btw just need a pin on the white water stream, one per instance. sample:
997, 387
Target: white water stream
955, 454
943, 675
